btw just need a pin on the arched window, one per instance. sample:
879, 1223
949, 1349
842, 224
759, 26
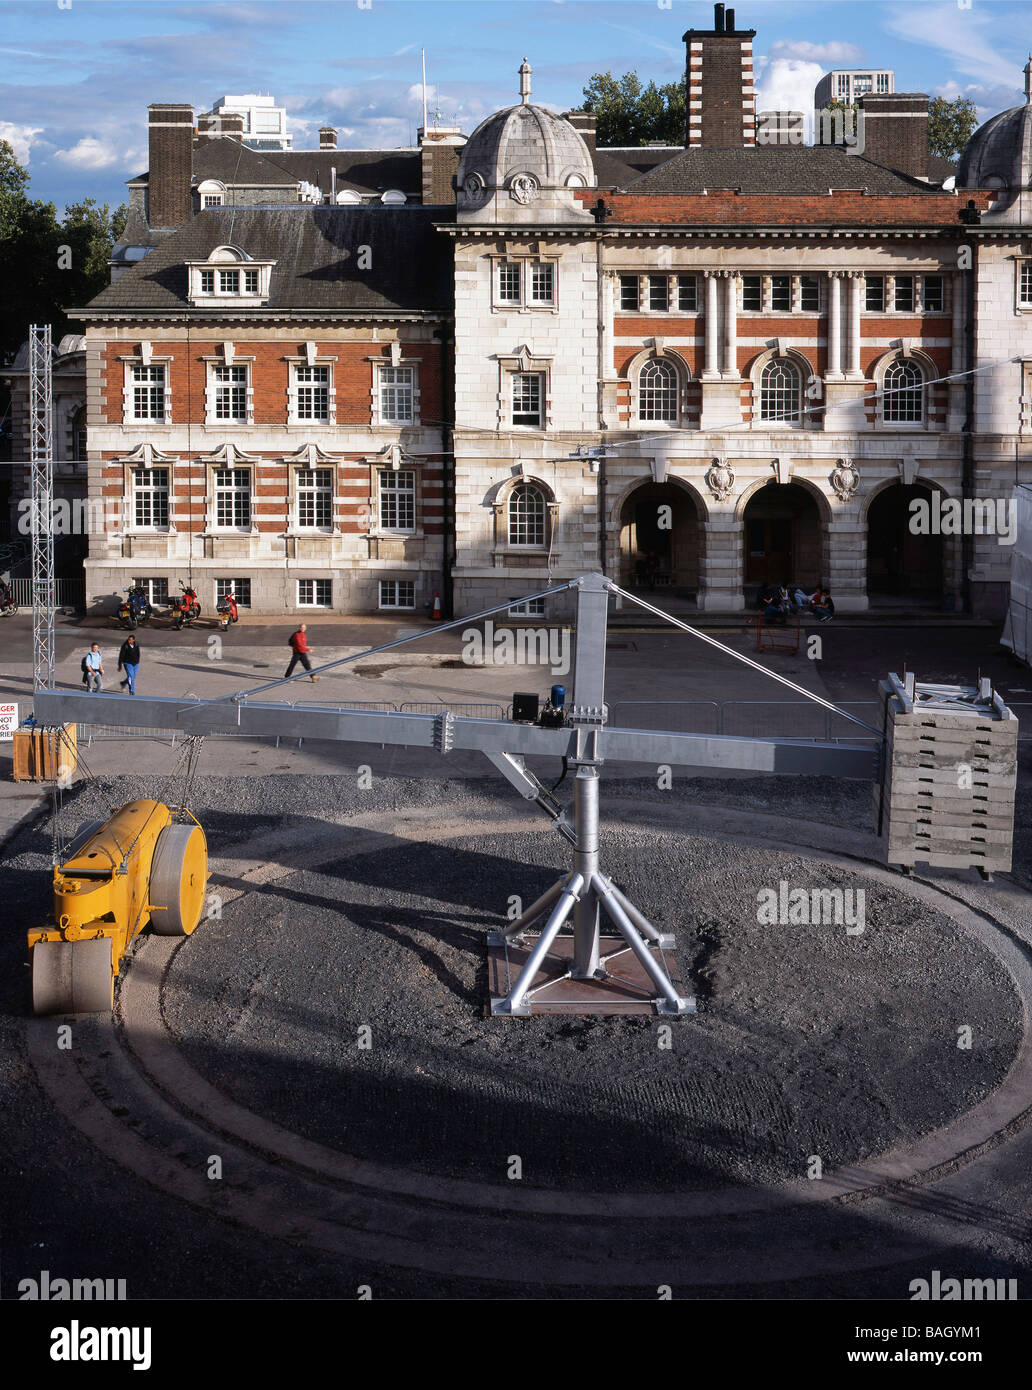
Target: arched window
526, 515
657, 391
903, 387
780, 391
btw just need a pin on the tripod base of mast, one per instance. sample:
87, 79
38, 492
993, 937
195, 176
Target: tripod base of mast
533, 973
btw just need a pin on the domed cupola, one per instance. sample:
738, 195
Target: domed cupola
999, 157
523, 164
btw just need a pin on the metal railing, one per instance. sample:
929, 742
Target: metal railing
68, 593
484, 710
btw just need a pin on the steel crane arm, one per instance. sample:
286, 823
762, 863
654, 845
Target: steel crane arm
445, 732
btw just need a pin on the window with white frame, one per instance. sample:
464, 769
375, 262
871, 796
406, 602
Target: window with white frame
780, 391
1025, 284
228, 273
315, 498
239, 588
230, 393
207, 281
315, 593
233, 498
508, 282
527, 608
148, 391
752, 293
79, 436
657, 391
150, 498
659, 292
312, 393
528, 398
155, 589
903, 392
933, 294
903, 294
397, 499
212, 200
781, 293
541, 289
397, 593
397, 393
874, 293
687, 294
527, 516
809, 294
630, 292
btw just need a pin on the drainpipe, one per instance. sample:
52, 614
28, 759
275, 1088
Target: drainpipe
967, 485
448, 538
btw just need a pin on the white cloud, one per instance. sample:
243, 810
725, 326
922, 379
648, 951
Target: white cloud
20, 138
830, 55
90, 153
989, 100
787, 84
959, 33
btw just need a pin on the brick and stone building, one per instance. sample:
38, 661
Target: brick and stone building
350, 380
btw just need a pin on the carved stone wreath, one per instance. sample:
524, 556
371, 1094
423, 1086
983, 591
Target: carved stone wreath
524, 188
845, 479
720, 479
473, 188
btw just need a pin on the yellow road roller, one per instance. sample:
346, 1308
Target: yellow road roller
117, 875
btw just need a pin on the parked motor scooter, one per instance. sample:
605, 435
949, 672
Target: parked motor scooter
227, 611
186, 608
139, 605
8, 607
126, 616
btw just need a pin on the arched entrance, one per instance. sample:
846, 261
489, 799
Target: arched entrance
901, 561
660, 539
782, 536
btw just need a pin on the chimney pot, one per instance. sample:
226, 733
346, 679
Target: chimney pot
730, 26
327, 137
718, 18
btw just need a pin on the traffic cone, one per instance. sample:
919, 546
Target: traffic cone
435, 616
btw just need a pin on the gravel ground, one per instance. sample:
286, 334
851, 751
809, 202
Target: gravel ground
808, 1040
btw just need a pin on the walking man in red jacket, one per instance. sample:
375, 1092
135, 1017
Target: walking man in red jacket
301, 649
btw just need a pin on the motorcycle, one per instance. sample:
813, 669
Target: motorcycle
227, 611
139, 605
126, 615
186, 608
8, 608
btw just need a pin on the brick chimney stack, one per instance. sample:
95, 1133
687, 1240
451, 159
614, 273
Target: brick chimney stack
170, 132
327, 137
584, 123
440, 151
721, 99
895, 132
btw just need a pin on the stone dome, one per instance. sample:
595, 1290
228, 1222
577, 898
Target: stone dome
523, 150
999, 154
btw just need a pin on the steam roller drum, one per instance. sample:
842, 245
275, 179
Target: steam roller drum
179, 873
72, 977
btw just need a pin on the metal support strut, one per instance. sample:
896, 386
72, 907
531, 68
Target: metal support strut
586, 891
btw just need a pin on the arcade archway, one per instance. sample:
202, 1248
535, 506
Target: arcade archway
783, 541
900, 560
661, 539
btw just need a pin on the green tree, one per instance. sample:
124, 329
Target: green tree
627, 113
50, 265
950, 125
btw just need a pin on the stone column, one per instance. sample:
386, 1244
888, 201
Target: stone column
853, 338
834, 370
722, 576
957, 407
712, 325
730, 368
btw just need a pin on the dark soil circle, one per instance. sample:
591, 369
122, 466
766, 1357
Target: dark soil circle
809, 1041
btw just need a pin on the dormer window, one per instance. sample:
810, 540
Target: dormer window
229, 273
212, 193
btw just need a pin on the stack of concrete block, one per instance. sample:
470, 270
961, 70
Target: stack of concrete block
947, 794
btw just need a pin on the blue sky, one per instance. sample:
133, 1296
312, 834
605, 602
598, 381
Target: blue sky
77, 80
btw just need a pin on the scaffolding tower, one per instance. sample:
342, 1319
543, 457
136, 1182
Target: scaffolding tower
41, 465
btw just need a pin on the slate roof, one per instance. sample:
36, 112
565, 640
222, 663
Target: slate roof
366, 171
234, 163
315, 249
616, 167
811, 169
